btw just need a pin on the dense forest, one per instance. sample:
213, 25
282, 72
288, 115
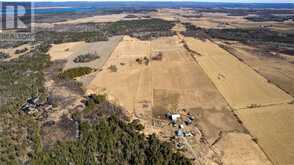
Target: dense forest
101, 31
270, 17
110, 140
145, 25
20, 79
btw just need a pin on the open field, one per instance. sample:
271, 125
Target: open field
236, 146
273, 128
228, 22
64, 50
179, 28
172, 84
91, 19
222, 20
277, 69
99, 18
69, 51
241, 86
219, 20
122, 84
175, 72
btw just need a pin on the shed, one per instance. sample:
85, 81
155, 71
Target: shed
188, 121
156, 56
175, 116
179, 133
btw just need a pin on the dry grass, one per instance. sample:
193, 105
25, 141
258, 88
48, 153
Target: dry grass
279, 71
133, 84
179, 28
64, 50
238, 148
123, 84
273, 128
241, 86
222, 20
174, 83
165, 101
98, 18
69, 51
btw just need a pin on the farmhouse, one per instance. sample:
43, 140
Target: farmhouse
172, 116
156, 56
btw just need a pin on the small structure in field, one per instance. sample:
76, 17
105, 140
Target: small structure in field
181, 126
173, 117
188, 121
179, 133
187, 134
156, 56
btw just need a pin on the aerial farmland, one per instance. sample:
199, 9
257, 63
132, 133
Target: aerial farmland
150, 83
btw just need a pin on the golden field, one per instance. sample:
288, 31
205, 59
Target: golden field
273, 128
241, 86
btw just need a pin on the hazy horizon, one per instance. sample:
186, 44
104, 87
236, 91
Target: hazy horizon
208, 1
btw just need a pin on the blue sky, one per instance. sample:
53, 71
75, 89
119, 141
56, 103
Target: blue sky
242, 1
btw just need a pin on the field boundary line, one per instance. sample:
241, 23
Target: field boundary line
256, 71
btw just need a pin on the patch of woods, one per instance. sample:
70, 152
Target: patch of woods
143, 29
62, 37
131, 26
281, 42
106, 137
270, 17
19, 51
3, 55
84, 58
75, 72
22, 77
131, 16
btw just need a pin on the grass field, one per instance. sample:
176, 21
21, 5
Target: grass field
69, 51
236, 146
99, 18
241, 86
277, 69
176, 73
174, 83
273, 128
123, 84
